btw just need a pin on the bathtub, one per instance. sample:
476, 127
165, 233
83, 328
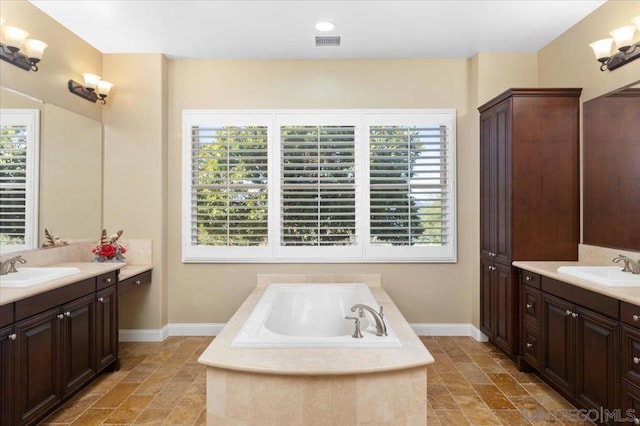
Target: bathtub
312, 316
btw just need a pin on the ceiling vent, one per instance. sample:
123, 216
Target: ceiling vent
327, 41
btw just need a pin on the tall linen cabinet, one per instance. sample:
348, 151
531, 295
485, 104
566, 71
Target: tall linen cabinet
529, 196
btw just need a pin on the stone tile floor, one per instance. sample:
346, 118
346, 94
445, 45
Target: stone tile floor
162, 384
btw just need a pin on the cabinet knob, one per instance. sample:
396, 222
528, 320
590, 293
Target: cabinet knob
101, 299
574, 315
636, 421
527, 278
137, 282
108, 280
60, 316
528, 306
13, 336
529, 345
67, 314
636, 360
568, 312
636, 318
492, 268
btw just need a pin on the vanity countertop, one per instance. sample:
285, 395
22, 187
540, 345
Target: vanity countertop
87, 270
550, 269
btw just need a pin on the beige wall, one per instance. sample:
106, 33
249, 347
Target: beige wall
424, 292
66, 57
569, 61
135, 173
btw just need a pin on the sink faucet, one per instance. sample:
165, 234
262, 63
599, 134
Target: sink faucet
381, 327
629, 264
9, 265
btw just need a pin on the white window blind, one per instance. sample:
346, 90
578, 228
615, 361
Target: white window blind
319, 186
19, 134
229, 171
408, 185
317, 192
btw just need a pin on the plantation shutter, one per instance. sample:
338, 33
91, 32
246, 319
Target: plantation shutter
318, 185
18, 179
229, 202
410, 185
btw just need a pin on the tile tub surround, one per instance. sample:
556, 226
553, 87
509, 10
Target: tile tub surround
349, 381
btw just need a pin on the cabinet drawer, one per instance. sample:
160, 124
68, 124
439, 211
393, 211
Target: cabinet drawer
630, 314
50, 299
531, 305
6, 314
529, 278
106, 280
631, 354
531, 347
134, 282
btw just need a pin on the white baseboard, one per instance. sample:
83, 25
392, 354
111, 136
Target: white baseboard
444, 329
144, 335
212, 329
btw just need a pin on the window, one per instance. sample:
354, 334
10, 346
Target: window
19, 135
354, 186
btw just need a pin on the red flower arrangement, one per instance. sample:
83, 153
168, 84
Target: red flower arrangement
109, 250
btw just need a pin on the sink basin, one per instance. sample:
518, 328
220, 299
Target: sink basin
29, 276
607, 275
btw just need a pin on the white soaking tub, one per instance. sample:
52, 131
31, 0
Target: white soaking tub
312, 316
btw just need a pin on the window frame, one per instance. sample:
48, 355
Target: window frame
30, 118
362, 252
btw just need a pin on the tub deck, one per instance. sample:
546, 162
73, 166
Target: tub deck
317, 361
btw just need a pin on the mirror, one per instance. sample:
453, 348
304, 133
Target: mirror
611, 170
70, 171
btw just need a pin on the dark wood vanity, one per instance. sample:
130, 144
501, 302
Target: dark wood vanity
584, 343
54, 343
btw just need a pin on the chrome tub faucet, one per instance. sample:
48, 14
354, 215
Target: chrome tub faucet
629, 264
381, 327
9, 265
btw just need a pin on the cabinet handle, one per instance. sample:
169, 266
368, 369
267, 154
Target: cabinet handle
13, 336
101, 299
528, 306
137, 282
492, 268
574, 315
527, 278
60, 316
636, 318
529, 345
568, 312
636, 360
108, 280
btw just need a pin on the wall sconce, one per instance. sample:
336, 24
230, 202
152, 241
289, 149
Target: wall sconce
94, 88
627, 50
13, 40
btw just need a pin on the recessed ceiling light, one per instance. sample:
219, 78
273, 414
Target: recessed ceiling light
325, 26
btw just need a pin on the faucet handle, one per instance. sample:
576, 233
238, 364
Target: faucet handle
381, 314
356, 334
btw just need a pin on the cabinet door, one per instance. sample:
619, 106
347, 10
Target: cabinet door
596, 360
487, 184
78, 350
7, 371
558, 342
503, 183
107, 328
505, 308
486, 297
37, 365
